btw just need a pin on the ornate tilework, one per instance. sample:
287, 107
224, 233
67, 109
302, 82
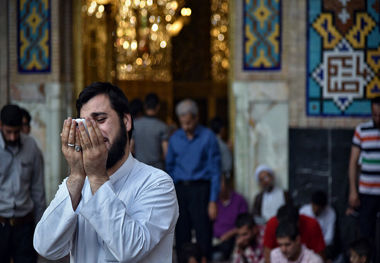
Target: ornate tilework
34, 36
343, 57
262, 35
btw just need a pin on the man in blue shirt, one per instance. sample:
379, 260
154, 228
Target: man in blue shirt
193, 161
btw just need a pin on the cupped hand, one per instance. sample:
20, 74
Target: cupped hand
70, 138
94, 150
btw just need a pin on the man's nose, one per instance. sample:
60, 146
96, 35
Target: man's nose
13, 137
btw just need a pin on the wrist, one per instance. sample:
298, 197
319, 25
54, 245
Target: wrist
77, 176
353, 190
98, 180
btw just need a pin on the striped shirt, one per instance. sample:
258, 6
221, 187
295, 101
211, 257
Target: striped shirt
367, 138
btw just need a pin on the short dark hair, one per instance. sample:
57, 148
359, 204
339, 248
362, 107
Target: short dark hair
137, 107
216, 125
26, 114
375, 100
319, 198
287, 229
118, 100
362, 247
151, 101
245, 219
189, 250
11, 115
287, 212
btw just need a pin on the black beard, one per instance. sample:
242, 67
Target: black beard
10, 143
117, 150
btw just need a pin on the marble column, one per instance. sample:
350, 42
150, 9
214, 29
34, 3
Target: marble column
261, 133
49, 104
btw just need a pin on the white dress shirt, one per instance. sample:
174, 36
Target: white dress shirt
326, 221
130, 218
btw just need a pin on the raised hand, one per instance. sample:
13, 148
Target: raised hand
70, 138
70, 142
95, 154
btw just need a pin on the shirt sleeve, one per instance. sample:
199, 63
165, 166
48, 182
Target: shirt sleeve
131, 233
170, 159
330, 228
214, 168
54, 232
270, 233
356, 139
164, 132
37, 186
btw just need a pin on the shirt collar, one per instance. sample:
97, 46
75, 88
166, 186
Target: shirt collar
124, 170
197, 131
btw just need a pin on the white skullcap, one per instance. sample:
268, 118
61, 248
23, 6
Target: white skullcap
263, 168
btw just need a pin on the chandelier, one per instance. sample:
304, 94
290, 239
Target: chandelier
220, 51
143, 32
142, 36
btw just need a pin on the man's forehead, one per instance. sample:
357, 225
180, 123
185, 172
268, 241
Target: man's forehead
97, 105
284, 240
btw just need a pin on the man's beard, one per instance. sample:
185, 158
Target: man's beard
10, 143
117, 150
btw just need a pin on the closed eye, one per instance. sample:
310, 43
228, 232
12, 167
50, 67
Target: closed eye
101, 120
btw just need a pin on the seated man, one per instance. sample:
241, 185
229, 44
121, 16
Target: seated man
230, 204
323, 213
248, 248
360, 251
192, 253
310, 231
290, 247
270, 198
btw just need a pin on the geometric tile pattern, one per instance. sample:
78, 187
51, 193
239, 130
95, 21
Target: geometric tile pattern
34, 36
343, 57
262, 35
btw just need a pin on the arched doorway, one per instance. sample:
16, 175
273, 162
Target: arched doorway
155, 46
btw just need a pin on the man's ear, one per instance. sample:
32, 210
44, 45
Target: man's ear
127, 121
